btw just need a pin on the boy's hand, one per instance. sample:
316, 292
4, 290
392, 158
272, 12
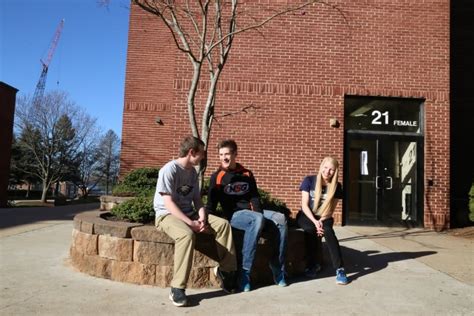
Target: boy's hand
202, 219
197, 226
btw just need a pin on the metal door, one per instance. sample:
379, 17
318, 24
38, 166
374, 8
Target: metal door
382, 177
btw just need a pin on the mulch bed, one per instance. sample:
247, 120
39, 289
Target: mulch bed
465, 232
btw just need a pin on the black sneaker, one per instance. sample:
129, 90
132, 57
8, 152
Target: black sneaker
178, 297
227, 280
312, 272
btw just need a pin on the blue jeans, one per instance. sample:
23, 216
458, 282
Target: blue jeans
276, 223
252, 224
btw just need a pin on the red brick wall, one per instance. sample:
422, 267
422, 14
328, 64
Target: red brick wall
295, 73
149, 94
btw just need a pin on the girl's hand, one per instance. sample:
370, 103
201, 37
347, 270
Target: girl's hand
319, 228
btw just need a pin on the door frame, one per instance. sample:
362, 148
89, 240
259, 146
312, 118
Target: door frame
350, 135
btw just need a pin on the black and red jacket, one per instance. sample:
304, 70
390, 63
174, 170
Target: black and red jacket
235, 190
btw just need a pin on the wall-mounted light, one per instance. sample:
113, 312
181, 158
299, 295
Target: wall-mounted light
159, 121
334, 122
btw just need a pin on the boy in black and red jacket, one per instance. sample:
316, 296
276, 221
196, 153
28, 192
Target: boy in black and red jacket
235, 188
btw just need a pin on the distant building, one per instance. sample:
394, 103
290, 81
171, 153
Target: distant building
372, 90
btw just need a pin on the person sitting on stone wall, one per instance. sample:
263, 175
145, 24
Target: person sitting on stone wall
180, 214
235, 188
319, 196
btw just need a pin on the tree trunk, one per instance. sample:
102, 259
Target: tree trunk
84, 191
107, 184
56, 189
43, 194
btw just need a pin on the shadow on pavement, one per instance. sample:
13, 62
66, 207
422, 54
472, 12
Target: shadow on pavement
361, 263
399, 233
10, 217
195, 299
357, 264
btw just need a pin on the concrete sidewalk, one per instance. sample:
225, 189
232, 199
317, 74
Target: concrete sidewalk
393, 271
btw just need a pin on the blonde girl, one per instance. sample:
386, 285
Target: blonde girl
319, 196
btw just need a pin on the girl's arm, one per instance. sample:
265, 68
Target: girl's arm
309, 213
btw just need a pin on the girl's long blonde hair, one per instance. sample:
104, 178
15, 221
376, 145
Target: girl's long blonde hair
329, 204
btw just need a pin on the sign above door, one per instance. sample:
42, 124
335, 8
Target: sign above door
383, 114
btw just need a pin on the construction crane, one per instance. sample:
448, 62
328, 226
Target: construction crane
39, 91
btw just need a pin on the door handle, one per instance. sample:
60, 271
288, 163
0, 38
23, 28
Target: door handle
391, 183
377, 182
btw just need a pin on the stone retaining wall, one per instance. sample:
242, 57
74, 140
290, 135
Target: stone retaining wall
107, 202
140, 254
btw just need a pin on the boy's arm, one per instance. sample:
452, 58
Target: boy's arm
164, 187
255, 196
175, 211
198, 205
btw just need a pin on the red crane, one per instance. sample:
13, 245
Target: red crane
39, 91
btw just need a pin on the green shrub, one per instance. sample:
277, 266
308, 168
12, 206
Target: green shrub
139, 182
137, 210
140, 209
204, 191
219, 211
205, 186
274, 204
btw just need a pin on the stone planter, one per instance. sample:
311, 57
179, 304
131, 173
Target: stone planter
140, 254
107, 202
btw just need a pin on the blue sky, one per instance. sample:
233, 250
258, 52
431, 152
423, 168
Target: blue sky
89, 61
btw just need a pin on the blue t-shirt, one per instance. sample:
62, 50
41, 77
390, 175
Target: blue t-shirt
309, 184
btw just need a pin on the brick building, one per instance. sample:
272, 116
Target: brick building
7, 112
371, 89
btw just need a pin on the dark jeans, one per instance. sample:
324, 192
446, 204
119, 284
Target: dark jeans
313, 241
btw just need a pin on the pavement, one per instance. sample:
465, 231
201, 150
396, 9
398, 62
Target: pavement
393, 271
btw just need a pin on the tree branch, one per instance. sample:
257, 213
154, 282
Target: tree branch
244, 110
154, 9
265, 21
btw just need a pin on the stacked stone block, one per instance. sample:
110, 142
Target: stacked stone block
141, 254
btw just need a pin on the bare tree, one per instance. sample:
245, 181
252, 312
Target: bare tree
96, 162
84, 171
53, 132
204, 31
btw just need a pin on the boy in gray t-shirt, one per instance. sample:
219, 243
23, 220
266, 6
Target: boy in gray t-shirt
181, 183
181, 214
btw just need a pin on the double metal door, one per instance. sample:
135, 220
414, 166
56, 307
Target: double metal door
382, 179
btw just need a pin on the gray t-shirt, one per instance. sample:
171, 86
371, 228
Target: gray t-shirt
182, 184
